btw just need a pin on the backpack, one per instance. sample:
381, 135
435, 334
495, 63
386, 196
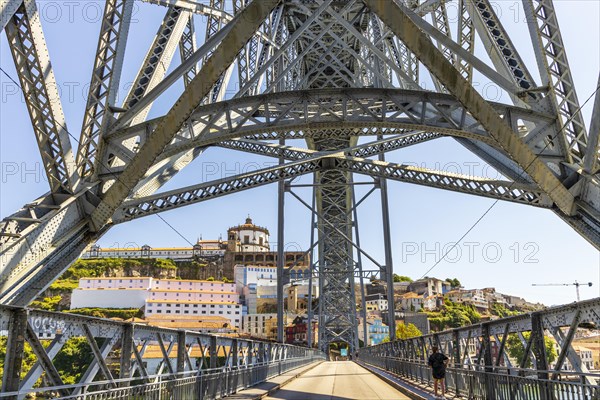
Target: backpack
437, 360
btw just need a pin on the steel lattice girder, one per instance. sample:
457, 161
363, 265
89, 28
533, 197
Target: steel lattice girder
29, 51
34, 257
105, 81
592, 158
501, 190
7, 9
393, 15
33, 227
250, 19
151, 72
337, 304
556, 74
295, 153
342, 108
171, 32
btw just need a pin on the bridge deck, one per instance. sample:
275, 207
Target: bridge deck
337, 381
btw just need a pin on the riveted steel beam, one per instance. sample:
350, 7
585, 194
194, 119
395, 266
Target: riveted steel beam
250, 19
592, 157
104, 83
396, 18
556, 75
7, 9
32, 62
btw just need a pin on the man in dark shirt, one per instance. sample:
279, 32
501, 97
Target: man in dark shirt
437, 361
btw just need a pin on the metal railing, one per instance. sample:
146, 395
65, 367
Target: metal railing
133, 361
203, 384
474, 382
483, 363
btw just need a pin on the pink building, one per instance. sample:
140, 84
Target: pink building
161, 296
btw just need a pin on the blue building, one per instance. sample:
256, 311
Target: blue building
376, 331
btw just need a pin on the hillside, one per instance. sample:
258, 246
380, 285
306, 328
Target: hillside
58, 296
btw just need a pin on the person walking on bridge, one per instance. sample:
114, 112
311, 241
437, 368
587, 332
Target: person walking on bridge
437, 361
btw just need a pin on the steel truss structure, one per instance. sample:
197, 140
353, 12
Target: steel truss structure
344, 76
479, 361
191, 364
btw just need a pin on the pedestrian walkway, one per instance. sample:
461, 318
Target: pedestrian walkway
341, 380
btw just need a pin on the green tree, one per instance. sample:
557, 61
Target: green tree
455, 283
404, 331
48, 303
74, 359
29, 358
516, 350
501, 311
401, 278
210, 278
453, 315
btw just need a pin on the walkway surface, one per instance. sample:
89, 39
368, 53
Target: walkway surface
341, 380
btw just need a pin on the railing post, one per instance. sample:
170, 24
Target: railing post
181, 351
487, 360
126, 352
234, 352
457, 362
15, 347
250, 349
539, 351
261, 352
213, 352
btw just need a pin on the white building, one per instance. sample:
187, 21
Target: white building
376, 302
248, 238
475, 297
432, 303
411, 301
231, 311
585, 355
207, 248
161, 296
111, 292
249, 275
494, 297
427, 287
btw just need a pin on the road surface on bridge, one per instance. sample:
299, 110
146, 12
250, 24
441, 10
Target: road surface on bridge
341, 380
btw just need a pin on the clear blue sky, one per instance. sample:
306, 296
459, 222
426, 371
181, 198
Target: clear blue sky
513, 247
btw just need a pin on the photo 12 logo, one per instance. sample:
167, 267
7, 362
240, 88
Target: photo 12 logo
470, 252
88, 11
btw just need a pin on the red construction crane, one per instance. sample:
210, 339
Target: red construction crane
576, 284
